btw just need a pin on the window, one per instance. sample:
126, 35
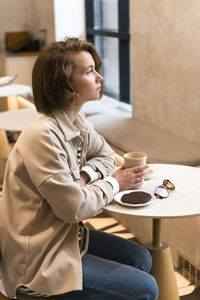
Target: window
107, 23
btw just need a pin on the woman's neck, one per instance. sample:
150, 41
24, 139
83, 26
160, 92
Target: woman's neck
71, 115
73, 111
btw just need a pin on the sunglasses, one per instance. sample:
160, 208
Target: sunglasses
162, 191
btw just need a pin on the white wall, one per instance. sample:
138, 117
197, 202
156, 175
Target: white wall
69, 18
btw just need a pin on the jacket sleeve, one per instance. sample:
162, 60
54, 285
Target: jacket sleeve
47, 165
72, 203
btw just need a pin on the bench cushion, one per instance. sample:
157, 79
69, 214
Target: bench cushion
128, 134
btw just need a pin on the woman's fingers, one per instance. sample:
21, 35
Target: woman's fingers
139, 179
140, 171
131, 177
143, 168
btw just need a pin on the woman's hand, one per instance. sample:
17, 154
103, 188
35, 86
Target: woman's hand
131, 177
84, 178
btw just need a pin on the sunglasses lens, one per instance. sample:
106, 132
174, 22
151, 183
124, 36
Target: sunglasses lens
169, 185
161, 192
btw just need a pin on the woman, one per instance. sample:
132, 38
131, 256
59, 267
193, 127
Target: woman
59, 173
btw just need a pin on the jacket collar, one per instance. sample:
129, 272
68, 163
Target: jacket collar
69, 129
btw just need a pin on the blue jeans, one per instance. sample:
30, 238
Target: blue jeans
115, 269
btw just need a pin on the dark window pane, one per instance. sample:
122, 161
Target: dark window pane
109, 50
106, 14
97, 14
108, 28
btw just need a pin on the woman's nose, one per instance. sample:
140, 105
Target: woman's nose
98, 77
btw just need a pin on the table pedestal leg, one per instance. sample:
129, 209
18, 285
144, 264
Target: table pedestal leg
162, 267
12, 102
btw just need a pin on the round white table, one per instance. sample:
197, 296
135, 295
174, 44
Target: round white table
184, 201
16, 120
12, 90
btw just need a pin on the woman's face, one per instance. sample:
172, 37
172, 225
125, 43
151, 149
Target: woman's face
86, 81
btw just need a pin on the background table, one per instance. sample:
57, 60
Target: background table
16, 120
12, 90
184, 201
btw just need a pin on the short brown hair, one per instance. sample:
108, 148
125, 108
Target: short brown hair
53, 72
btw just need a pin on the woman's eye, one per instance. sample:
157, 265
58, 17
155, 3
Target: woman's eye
89, 71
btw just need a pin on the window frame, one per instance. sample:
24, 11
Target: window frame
123, 36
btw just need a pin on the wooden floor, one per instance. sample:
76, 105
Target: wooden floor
104, 222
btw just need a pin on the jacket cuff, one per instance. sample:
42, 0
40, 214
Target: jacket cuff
113, 183
91, 173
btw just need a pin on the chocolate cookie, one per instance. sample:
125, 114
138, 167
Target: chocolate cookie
137, 197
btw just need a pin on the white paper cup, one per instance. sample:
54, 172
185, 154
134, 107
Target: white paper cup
134, 159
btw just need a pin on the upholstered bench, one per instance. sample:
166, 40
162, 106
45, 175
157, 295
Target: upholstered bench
126, 134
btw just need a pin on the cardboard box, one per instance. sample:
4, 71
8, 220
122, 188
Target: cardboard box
16, 40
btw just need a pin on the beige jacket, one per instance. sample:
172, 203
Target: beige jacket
43, 202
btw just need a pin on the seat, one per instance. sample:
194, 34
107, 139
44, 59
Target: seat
2, 297
119, 160
127, 134
5, 146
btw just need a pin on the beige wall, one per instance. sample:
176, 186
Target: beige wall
41, 17
165, 54
13, 17
165, 45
